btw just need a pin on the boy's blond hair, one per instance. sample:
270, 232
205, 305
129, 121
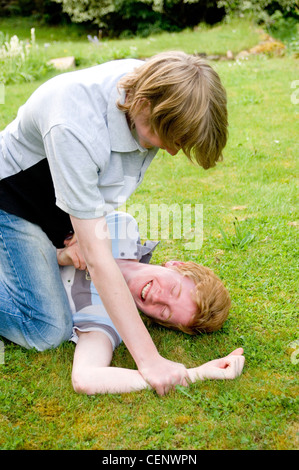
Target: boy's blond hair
212, 299
187, 103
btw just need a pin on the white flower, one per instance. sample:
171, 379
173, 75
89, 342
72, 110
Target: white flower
32, 31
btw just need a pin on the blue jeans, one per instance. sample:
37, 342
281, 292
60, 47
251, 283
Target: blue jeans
34, 309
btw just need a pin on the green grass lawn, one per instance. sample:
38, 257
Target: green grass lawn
250, 222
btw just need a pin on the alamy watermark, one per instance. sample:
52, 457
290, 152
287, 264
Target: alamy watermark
295, 94
163, 222
2, 93
170, 222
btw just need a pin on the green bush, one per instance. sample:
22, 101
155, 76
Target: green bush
278, 17
20, 61
126, 18
260, 10
133, 17
48, 11
279, 26
142, 17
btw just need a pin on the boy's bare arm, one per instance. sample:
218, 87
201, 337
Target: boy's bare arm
228, 367
95, 244
92, 373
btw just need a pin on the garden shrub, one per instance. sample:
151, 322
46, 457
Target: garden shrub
21, 61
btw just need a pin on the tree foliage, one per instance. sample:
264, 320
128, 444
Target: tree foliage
81, 11
256, 7
144, 17
141, 16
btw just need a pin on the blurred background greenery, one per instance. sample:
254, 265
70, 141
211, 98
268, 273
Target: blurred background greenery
125, 18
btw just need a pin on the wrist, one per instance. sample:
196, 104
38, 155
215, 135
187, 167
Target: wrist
148, 358
61, 259
196, 373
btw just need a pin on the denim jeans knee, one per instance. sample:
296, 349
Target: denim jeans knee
34, 310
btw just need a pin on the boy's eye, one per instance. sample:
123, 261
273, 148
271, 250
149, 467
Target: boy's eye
173, 290
165, 314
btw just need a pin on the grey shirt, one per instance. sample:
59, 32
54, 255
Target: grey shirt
71, 134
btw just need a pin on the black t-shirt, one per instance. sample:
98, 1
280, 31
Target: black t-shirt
30, 194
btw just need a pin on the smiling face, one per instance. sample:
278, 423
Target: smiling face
160, 292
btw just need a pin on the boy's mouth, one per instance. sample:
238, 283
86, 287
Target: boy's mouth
145, 290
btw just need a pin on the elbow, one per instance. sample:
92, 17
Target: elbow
84, 383
81, 385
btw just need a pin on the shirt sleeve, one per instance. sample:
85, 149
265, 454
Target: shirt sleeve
75, 164
125, 238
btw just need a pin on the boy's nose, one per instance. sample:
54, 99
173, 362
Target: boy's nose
171, 151
156, 296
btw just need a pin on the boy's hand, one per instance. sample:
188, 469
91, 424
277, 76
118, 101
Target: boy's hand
228, 367
71, 254
163, 375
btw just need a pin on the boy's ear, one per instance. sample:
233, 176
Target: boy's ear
172, 262
144, 106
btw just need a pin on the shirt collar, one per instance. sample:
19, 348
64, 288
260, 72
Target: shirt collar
121, 138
